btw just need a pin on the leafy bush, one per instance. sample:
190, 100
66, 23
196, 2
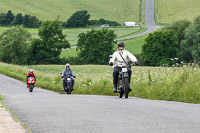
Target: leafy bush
47, 49
159, 47
9, 18
95, 46
14, 45
101, 21
78, 19
190, 50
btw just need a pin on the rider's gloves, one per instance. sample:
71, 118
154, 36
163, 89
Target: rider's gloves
111, 63
74, 76
62, 76
137, 63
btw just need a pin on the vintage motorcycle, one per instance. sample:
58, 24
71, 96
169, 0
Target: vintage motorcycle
123, 79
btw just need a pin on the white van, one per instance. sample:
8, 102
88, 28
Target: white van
130, 24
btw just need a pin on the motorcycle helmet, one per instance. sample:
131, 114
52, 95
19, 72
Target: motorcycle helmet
67, 65
31, 71
121, 44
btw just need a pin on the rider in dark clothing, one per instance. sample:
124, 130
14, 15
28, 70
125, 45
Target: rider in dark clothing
68, 72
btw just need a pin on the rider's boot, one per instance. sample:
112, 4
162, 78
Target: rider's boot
115, 88
130, 89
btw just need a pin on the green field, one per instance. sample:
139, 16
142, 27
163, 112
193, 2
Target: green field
135, 45
68, 53
132, 45
114, 10
163, 83
72, 33
172, 10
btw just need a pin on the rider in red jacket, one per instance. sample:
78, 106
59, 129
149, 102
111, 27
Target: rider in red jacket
30, 74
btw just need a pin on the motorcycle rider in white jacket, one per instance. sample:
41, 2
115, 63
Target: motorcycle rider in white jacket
116, 60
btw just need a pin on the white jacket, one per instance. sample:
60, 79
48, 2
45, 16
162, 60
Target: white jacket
116, 58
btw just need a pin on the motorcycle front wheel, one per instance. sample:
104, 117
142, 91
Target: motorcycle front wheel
69, 90
121, 94
31, 88
126, 89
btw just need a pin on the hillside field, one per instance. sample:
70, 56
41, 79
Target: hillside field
114, 10
168, 11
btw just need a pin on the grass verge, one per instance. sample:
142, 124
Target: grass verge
16, 119
161, 83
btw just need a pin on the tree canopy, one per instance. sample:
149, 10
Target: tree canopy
14, 45
159, 47
47, 49
190, 46
78, 19
95, 46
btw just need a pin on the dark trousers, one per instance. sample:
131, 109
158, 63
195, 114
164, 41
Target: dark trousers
116, 73
64, 82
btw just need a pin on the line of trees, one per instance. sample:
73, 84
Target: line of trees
180, 41
81, 19
9, 19
17, 47
78, 19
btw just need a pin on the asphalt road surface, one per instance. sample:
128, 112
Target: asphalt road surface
50, 112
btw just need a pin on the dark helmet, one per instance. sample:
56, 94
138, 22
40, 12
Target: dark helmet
31, 71
120, 44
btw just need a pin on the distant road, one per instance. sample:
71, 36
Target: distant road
149, 19
45, 111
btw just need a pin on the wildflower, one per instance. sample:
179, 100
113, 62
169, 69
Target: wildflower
184, 65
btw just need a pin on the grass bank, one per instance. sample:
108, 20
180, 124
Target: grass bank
1, 98
114, 10
168, 11
161, 83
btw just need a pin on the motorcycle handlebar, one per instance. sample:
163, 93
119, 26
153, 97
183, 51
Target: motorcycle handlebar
68, 77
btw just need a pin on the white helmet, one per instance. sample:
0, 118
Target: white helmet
67, 65
31, 71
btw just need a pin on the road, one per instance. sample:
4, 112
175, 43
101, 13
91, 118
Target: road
149, 20
45, 111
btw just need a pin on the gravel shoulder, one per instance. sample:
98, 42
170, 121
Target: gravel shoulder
8, 123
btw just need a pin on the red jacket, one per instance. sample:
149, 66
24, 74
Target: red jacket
32, 75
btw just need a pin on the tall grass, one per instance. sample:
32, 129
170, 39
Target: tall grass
162, 83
